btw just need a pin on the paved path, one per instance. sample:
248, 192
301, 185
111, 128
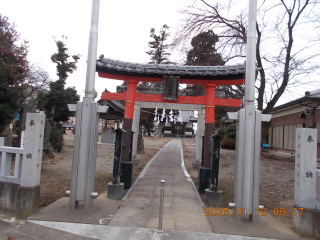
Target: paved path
182, 209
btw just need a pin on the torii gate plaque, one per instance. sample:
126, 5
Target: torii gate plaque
133, 73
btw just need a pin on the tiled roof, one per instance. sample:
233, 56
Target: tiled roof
137, 69
311, 97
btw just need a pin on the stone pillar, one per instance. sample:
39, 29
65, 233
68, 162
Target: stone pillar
307, 224
200, 131
126, 165
135, 129
32, 154
305, 168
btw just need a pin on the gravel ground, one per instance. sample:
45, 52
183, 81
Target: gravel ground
276, 179
276, 184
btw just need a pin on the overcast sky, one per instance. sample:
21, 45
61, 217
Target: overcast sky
124, 28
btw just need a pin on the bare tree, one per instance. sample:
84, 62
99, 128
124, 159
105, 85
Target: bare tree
285, 56
36, 79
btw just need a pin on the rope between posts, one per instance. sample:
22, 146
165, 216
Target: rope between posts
150, 106
160, 114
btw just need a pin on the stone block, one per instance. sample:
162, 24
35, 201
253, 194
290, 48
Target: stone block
108, 137
213, 198
115, 191
27, 201
307, 224
19, 202
305, 168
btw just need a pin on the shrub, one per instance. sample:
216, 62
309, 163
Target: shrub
228, 144
229, 139
56, 138
221, 132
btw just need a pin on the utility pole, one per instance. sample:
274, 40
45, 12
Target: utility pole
86, 135
248, 142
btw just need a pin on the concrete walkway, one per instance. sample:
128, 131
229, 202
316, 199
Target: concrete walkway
182, 210
136, 218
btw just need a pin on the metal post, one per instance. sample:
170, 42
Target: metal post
161, 205
92, 50
251, 54
250, 108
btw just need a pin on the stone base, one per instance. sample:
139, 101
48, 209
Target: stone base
127, 175
19, 202
115, 191
307, 224
203, 179
108, 137
213, 198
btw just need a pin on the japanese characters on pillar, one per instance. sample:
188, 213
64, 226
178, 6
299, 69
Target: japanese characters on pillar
171, 87
305, 168
31, 165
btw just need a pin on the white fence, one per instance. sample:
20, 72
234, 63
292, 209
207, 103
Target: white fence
27, 163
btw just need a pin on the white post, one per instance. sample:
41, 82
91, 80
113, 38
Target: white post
200, 132
135, 129
250, 109
32, 153
305, 189
92, 50
84, 153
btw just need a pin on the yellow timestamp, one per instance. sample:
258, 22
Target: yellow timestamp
225, 211
281, 211
261, 212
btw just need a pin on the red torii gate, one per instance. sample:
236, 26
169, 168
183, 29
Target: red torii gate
134, 73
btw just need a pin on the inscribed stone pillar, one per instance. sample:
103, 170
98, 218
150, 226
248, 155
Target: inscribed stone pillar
305, 168
32, 154
135, 129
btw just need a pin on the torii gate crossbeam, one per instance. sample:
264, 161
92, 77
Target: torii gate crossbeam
134, 73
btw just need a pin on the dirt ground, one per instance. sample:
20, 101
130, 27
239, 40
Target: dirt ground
276, 179
56, 172
276, 184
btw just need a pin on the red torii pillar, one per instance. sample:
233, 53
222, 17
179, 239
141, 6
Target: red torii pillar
126, 166
205, 170
209, 121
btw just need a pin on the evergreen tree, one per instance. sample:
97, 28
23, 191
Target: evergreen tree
13, 71
203, 52
158, 53
54, 103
